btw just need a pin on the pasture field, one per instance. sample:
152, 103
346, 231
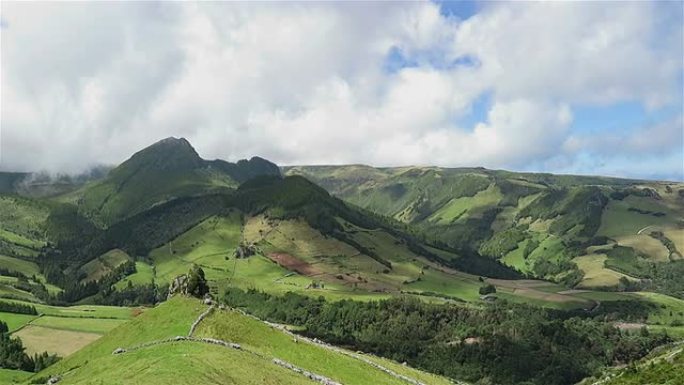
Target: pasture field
516, 259
461, 208
89, 325
64, 330
8, 376
550, 247
144, 275
596, 275
647, 245
188, 362
11, 292
103, 265
38, 339
256, 336
677, 236
14, 321
182, 363
83, 311
434, 281
208, 244
617, 220
20, 240
23, 217
27, 268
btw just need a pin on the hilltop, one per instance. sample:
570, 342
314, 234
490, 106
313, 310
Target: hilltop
186, 343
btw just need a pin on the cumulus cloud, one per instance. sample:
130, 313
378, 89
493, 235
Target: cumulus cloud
303, 83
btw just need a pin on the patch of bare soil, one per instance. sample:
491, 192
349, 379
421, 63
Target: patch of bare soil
293, 263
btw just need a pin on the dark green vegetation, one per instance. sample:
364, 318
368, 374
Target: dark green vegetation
17, 308
664, 366
12, 355
501, 343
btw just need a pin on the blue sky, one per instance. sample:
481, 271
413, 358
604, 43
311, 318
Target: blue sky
566, 87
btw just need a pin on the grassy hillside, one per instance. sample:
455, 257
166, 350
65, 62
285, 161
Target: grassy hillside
662, 367
537, 223
190, 362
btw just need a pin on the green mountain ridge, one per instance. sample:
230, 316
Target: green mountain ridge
168, 169
536, 223
598, 249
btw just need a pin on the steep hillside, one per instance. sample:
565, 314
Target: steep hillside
168, 169
543, 225
665, 366
225, 347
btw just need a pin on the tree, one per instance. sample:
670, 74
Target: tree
197, 283
487, 289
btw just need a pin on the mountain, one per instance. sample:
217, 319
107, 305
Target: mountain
579, 230
472, 264
45, 185
168, 169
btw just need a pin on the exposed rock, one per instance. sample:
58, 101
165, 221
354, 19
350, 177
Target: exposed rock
179, 285
194, 283
119, 351
245, 250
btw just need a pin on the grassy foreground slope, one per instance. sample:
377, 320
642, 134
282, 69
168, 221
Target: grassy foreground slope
192, 362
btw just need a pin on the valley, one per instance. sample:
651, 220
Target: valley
564, 253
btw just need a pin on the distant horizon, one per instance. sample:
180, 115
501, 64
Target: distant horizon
580, 88
114, 165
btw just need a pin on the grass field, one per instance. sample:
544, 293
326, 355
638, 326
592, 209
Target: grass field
11, 292
38, 339
182, 363
596, 275
461, 208
618, 221
144, 275
89, 325
516, 259
198, 363
15, 321
646, 245
256, 336
27, 268
8, 376
676, 236
439, 282
20, 240
23, 217
65, 330
207, 244
103, 265
84, 311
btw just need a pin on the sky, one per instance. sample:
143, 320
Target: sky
564, 87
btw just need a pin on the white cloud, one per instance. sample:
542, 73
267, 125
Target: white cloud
305, 82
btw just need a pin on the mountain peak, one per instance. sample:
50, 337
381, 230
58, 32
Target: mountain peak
167, 154
173, 141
